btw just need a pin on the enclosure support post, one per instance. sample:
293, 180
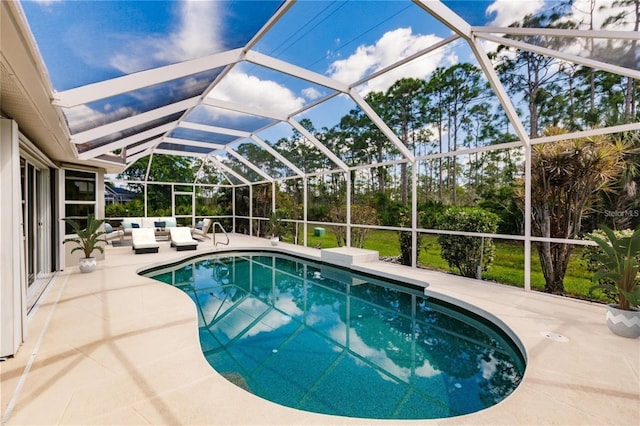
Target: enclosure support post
304, 212
527, 217
233, 207
415, 251
251, 210
347, 241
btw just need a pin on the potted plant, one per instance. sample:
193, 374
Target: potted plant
275, 225
87, 240
617, 275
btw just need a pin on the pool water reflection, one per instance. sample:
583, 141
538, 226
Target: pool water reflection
323, 339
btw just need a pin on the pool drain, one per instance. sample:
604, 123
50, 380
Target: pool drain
554, 336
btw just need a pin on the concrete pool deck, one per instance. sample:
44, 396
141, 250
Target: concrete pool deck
115, 348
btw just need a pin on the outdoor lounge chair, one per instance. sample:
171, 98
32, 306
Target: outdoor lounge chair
112, 234
181, 239
202, 233
143, 240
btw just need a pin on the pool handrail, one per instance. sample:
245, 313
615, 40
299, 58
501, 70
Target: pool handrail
215, 243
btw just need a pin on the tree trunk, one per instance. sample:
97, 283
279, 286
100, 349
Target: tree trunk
628, 101
554, 260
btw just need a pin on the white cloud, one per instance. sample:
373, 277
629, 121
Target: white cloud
391, 47
46, 2
84, 114
311, 93
488, 368
249, 90
197, 34
602, 11
509, 11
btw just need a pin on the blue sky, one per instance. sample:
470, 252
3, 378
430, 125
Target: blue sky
87, 41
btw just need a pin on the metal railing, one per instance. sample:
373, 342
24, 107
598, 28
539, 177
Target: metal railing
215, 243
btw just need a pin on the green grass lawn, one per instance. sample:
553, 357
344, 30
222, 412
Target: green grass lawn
507, 266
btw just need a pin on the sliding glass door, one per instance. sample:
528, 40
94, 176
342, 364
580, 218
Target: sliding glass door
37, 229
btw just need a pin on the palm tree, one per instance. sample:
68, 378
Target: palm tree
566, 180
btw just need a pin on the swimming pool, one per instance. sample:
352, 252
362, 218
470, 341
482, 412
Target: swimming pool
323, 339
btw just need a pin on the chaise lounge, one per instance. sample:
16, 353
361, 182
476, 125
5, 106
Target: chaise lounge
181, 239
143, 240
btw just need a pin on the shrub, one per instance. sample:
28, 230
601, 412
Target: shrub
466, 253
406, 246
388, 209
133, 208
430, 213
360, 214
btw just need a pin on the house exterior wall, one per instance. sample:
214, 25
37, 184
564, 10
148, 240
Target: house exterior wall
12, 275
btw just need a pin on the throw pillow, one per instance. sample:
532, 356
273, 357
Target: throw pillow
108, 228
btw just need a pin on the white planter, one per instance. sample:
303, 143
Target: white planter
87, 264
623, 323
275, 241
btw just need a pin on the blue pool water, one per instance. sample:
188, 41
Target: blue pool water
321, 339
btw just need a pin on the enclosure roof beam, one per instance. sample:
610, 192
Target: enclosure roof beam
277, 155
135, 120
304, 132
282, 10
499, 90
295, 71
403, 61
379, 122
631, 127
559, 32
208, 159
214, 129
135, 81
445, 15
228, 170
568, 57
135, 157
232, 106
248, 163
462, 28
187, 142
145, 147
179, 153
125, 142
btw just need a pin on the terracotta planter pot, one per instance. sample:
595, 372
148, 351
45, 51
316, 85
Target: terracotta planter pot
87, 264
623, 323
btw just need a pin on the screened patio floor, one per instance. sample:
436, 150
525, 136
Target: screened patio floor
112, 347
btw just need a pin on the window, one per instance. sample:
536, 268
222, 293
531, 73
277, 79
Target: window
80, 197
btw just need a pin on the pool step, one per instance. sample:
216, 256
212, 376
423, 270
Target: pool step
347, 256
